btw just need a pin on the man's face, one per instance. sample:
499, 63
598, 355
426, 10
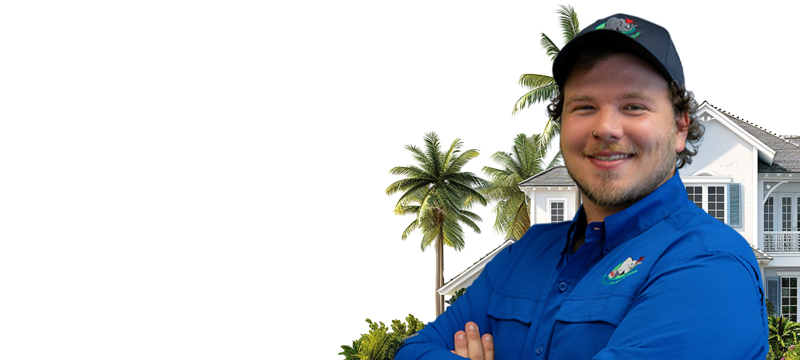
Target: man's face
632, 152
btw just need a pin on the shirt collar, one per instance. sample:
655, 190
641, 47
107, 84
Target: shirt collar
637, 218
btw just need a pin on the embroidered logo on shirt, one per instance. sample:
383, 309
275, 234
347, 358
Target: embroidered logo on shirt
621, 271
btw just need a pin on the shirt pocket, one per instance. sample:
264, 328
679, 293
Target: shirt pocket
511, 321
584, 326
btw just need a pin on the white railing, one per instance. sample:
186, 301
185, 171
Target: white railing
781, 241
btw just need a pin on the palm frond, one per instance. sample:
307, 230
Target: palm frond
534, 81
568, 19
433, 152
471, 224
522, 222
468, 194
419, 156
429, 234
413, 172
549, 47
414, 191
556, 161
537, 94
453, 234
404, 185
456, 163
409, 229
465, 178
452, 153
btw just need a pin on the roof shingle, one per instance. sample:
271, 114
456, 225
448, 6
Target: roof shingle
787, 151
556, 176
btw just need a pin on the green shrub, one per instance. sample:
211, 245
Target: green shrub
783, 336
380, 343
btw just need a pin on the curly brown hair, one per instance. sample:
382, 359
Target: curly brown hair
683, 101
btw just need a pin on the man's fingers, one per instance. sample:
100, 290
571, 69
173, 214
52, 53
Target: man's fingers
474, 343
488, 347
460, 338
470, 344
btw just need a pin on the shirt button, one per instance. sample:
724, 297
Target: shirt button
539, 350
562, 286
608, 247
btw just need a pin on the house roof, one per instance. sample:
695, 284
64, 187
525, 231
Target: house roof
787, 148
794, 139
465, 278
556, 176
760, 255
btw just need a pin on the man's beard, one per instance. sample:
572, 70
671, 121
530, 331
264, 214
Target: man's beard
603, 194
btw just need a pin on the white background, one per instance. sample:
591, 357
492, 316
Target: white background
205, 179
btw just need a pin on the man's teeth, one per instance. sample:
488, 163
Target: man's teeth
611, 158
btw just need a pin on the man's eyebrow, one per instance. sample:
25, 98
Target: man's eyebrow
630, 95
580, 98
637, 95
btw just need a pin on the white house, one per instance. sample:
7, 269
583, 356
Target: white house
743, 175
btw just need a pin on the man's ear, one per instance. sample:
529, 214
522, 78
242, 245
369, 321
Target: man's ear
681, 130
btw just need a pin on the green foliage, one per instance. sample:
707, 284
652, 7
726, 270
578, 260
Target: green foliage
438, 193
380, 343
543, 88
770, 308
526, 159
782, 334
455, 297
351, 352
791, 353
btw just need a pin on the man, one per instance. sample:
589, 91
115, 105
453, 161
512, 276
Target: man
641, 272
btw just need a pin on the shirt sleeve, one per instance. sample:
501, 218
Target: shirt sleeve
435, 341
708, 307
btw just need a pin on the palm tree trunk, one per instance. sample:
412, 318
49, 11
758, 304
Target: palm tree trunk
439, 272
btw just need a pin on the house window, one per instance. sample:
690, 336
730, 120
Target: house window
769, 214
786, 213
789, 297
797, 203
770, 243
556, 211
781, 221
714, 201
695, 195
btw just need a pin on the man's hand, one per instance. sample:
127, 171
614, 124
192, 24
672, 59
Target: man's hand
471, 345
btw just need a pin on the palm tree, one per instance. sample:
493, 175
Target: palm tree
438, 194
526, 159
543, 88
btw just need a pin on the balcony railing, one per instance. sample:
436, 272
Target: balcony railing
781, 241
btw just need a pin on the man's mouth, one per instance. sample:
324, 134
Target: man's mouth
611, 158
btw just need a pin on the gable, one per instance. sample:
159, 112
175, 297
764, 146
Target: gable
722, 153
711, 116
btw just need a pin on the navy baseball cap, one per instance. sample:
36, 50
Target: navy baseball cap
632, 34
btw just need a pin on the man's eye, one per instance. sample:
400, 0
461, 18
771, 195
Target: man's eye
634, 107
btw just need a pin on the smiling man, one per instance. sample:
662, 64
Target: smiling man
640, 272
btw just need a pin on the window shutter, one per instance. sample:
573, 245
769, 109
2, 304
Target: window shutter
735, 205
772, 294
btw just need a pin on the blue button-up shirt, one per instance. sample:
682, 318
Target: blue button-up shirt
659, 280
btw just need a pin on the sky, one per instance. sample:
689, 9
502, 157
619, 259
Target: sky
206, 179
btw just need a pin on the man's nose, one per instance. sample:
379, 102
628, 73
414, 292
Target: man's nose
608, 126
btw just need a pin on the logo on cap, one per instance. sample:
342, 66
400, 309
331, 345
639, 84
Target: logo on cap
621, 271
625, 26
